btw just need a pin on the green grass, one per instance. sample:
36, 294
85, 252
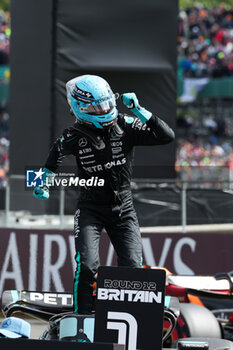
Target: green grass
183, 4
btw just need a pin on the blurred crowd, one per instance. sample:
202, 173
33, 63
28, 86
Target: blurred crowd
205, 41
205, 144
205, 50
4, 147
5, 32
4, 78
200, 158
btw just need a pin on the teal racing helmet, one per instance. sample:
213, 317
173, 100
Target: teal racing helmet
92, 101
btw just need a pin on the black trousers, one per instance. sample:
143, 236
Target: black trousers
121, 224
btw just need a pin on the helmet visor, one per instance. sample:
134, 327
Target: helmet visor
99, 107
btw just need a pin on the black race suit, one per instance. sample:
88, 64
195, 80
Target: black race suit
109, 156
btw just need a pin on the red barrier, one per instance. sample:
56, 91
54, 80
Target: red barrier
44, 259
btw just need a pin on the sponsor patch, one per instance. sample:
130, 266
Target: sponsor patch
128, 120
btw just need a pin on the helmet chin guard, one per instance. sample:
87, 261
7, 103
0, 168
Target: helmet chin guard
92, 101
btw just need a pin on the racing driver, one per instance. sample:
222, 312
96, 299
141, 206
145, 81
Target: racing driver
102, 141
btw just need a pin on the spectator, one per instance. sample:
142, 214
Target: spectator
205, 41
4, 78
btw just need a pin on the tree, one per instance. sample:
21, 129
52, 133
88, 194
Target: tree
5, 5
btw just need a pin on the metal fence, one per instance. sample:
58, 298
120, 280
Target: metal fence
160, 197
